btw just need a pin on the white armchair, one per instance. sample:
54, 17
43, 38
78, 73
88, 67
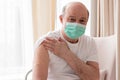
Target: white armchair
106, 47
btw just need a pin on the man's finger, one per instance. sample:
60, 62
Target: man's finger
49, 48
48, 45
51, 39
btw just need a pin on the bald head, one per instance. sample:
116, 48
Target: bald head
74, 12
73, 4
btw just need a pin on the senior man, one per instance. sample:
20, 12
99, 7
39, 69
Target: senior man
67, 54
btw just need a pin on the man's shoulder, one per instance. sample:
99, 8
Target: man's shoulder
52, 34
86, 37
88, 40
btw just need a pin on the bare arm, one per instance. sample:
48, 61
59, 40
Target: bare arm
86, 71
40, 64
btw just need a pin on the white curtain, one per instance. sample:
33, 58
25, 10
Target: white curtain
102, 21
106, 16
16, 37
117, 24
44, 13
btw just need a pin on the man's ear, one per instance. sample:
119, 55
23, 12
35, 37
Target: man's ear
61, 18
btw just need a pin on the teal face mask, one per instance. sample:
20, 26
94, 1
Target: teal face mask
74, 30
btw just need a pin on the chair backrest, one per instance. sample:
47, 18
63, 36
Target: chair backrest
106, 47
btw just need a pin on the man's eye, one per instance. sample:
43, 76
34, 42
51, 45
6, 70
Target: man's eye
72, 19
82, 20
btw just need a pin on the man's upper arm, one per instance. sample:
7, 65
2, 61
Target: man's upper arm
40, 64
41, 54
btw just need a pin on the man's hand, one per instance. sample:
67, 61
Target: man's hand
57, 46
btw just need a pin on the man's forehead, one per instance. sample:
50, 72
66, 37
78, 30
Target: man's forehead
74, 4
74, 7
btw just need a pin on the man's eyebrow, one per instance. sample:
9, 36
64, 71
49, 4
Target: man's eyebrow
72, 16
83, 18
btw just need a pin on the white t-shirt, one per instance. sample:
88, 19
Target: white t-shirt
85, 49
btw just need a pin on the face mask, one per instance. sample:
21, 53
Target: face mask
74, 30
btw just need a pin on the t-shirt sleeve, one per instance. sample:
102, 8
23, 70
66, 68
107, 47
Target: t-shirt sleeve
38, 42
42, 38
93, 55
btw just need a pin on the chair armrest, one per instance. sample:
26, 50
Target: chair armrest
26, 75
